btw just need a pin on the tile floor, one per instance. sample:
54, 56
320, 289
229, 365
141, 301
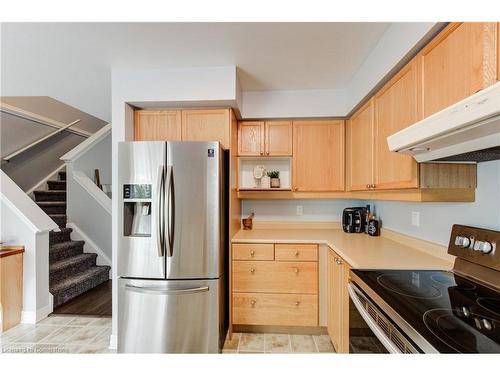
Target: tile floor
59, 334
277, 343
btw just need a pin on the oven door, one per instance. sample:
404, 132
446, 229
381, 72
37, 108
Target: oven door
370, 331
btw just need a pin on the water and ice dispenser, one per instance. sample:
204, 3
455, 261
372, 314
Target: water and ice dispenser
137, 210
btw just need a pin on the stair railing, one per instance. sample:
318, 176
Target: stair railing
38, 141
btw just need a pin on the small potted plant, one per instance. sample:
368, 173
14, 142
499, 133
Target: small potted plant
275, 178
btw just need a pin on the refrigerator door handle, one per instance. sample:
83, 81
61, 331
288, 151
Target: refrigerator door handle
171, 209
166, 291
161, 212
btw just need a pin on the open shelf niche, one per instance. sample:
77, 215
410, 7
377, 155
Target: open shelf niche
246, 164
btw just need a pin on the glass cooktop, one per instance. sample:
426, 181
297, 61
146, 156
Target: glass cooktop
453, 314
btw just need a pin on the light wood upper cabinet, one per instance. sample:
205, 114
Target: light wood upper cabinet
278, 138
207, 125
270, 138
150, 125
360, 145
396, 107
250, 138
318, 155
460, 61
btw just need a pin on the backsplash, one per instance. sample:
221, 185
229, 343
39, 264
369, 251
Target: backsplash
436, 219
286, 210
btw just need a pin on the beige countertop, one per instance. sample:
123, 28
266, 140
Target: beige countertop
359, 250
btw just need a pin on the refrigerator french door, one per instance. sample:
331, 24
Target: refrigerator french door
171, 253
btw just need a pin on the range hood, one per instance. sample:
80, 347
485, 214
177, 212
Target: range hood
468, 131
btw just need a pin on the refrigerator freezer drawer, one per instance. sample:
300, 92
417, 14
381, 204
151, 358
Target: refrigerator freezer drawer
169, 316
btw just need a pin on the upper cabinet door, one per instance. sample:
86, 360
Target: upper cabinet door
360, 148
396, 107
157, 125
460, 61
206, 125
278, 138
318, 155
250, 138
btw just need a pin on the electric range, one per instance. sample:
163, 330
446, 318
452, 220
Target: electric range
424, 311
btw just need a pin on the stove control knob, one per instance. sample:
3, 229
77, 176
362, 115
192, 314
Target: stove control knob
483, 247
466, 311
462, 241
487, 324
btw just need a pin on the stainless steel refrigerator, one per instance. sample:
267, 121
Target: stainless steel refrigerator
171, 254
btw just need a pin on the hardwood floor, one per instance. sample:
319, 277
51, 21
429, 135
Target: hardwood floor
96, 301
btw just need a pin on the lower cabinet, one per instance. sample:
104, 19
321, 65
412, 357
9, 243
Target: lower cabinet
275, 284
275, 309
338, 302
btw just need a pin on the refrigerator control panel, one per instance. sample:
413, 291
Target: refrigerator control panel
137, 191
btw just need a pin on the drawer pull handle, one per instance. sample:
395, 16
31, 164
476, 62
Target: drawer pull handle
252, 253
297, 303
252, 270
296, 270
296, 253
252, 302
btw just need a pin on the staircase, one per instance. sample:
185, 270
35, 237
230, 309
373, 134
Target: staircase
71, 271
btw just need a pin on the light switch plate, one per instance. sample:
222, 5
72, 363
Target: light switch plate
415, 218
300, 210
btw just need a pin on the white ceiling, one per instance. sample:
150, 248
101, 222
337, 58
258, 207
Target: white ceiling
270, 56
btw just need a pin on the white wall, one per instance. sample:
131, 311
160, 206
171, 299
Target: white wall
436, 219
89, 208
22, 222
295, 103
285, 210
189, 86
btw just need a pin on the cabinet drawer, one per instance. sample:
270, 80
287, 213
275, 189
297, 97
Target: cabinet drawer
297, 252
275, 309
253, 251
275, 277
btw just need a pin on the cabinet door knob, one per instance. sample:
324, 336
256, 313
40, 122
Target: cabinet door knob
267, 153
296, 253
262, 153
367, 186
252, 302
296, 189
252, 270
297, 303
296, 270
373, 186
339, 261
252, 253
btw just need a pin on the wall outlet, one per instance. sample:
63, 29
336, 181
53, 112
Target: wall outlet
415, 218
300, 210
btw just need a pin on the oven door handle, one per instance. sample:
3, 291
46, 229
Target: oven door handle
353, 291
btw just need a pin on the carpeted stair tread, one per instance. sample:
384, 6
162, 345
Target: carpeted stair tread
59, 219
51, 203
53, 207
56, 185
71, 271
63, 235
64, 250
64, 268
50, 195
79, 283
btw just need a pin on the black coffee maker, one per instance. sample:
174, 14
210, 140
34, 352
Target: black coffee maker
354, 219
